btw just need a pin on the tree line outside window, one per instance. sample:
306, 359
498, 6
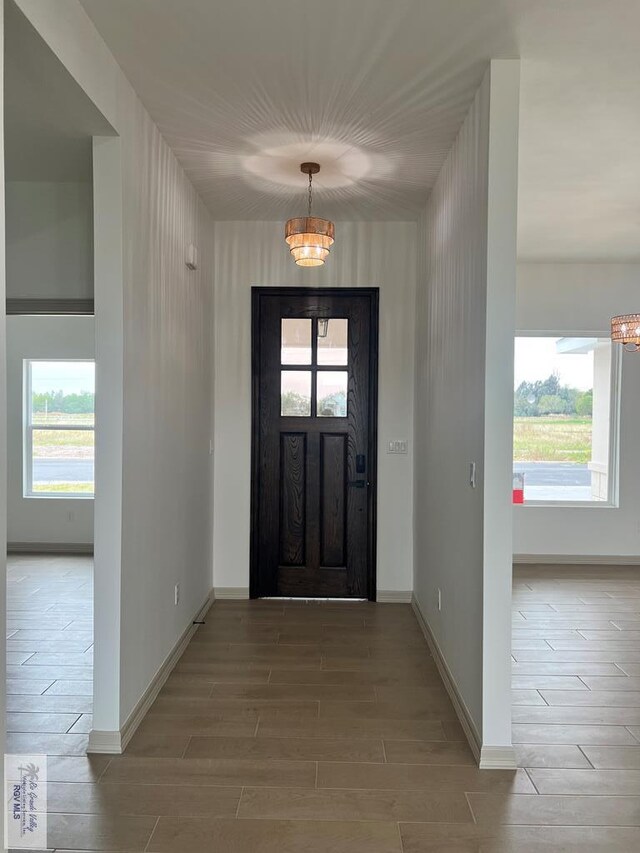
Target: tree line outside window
68, 404
550, 397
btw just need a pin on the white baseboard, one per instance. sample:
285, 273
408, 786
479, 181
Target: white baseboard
394, 596
494, 757
466, 720
115, 742
109, 742
575, 560
49, 547
232, 593
498, 758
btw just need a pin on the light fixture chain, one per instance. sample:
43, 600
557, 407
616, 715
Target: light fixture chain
310, 192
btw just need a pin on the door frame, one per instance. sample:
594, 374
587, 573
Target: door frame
373, 294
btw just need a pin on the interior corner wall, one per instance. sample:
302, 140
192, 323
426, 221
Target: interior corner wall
3, 436
465, 306
574, 299
164, 378
109, 322
365, 254
166, 486
49, 240
497, 473
449, 405
42, 520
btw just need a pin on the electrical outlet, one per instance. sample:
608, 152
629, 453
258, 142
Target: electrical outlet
439, 600
176, 594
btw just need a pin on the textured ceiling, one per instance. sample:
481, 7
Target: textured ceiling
376, 91
246, 90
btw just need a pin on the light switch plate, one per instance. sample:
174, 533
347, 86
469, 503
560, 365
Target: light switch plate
398, 446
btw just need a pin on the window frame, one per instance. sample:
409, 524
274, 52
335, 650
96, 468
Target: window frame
28, 428
613, 501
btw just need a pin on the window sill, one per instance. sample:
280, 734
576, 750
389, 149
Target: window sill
63, 497
569, 505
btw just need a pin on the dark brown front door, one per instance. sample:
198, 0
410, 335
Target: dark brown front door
314, 442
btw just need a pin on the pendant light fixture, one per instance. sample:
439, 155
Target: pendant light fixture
308, 237
625, 330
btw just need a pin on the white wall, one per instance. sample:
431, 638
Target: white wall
49, 240
42, 520
3, 422
166, 488
573, 299
160, 386
109, 319
374, 254
463, 406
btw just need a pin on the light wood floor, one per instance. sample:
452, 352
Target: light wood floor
325, 728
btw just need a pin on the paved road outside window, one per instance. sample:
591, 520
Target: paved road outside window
555, 481
62, 470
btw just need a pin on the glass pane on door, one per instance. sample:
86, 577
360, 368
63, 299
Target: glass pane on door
295, 393
333, 337
332, 393
295, 341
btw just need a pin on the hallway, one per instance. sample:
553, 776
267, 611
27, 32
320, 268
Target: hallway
324, 727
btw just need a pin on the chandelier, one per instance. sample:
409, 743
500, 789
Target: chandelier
625, 330
308, 237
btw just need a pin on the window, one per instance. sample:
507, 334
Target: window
310, 350
59, 428
564, 419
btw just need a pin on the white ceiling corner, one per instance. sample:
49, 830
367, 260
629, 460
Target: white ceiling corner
48, 119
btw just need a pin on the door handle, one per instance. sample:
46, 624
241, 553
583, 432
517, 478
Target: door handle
359, 484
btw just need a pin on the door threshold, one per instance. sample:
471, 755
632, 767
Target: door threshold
309, 600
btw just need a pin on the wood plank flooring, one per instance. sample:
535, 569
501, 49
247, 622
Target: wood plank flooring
49, 653
325, 727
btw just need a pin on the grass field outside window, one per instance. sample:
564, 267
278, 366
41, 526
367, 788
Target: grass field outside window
554, 438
